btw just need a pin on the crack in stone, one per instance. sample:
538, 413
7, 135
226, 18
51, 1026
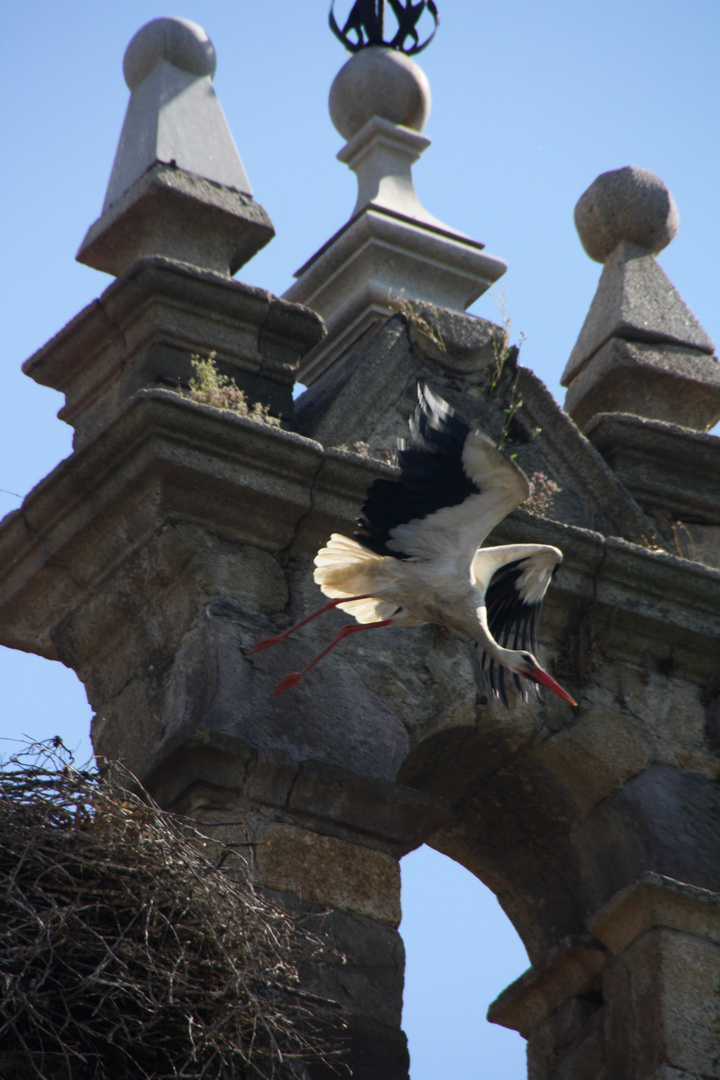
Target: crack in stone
284, 553
288, 797
50, 559
115, 325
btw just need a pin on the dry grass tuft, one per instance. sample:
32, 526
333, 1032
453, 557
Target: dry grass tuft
132, 946
210, 387
542, 494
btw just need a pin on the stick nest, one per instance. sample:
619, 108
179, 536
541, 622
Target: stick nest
133, 946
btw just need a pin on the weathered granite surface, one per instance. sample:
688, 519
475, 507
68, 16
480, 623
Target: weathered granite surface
640, 350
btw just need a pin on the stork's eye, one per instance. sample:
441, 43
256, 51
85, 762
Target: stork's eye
528, 658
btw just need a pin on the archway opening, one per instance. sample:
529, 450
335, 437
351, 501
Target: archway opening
461, 952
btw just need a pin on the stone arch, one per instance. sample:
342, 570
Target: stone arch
511, 827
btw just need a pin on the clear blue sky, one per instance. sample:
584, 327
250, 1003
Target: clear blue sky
530, 102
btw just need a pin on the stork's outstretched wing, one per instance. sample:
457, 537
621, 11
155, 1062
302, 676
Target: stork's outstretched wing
513, 601
455, 486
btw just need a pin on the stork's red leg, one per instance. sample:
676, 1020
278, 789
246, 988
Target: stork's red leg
268, 641
295, 676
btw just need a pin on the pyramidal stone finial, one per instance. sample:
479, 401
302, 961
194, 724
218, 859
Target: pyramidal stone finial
178, 187
392, 248
640, 350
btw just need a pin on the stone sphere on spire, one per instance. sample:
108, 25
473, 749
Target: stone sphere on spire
178, 41
381, 82
625, 204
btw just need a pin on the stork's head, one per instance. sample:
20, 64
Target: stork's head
525, 664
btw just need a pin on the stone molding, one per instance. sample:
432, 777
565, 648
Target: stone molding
254, 483
163, 458
656, 901
674, 475
180, 216
377, 261
661, 463
366, 810
532, 999
659, 382
147, 325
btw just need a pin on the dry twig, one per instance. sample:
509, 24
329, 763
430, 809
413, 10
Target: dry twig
126, 951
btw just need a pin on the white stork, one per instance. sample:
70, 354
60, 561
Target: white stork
416, 556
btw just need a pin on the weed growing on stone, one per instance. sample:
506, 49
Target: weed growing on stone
422, 317
358, 447
210, 387
502, 349
515, 402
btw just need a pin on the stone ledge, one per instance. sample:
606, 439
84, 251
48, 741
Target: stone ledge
657, 381
163, 459
654, 589
662, 463
181, 215
145, 328
529, 1001
380, 814
166, 459
329, 871
657, 901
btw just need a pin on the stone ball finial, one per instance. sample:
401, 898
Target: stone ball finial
625, 204
379, 82
180, 42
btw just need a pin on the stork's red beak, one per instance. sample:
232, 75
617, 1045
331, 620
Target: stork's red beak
539, 676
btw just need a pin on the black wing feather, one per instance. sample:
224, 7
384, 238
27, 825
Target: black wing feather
507, 614
432, 475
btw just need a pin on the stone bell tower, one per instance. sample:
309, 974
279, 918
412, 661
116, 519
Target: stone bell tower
177, 534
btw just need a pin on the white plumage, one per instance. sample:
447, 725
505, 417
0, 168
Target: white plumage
417, 555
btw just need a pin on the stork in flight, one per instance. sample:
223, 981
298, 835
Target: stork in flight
416, 556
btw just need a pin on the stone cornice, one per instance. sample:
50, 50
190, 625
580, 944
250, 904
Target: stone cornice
662, 464
166, 459
364, 809
146, 326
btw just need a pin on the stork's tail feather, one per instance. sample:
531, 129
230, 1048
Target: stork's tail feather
342, 565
